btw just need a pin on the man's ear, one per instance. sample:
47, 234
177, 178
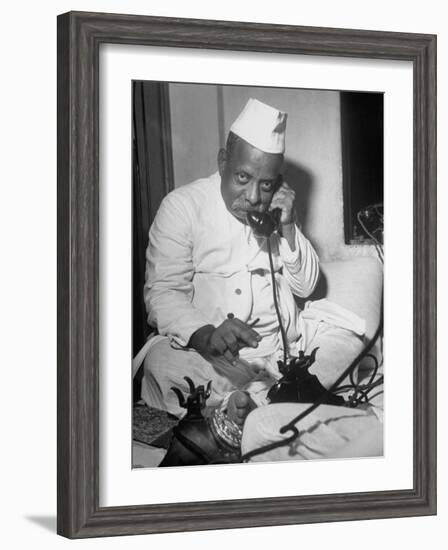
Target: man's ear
222, 159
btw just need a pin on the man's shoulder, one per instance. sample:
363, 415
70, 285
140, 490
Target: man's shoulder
195, 192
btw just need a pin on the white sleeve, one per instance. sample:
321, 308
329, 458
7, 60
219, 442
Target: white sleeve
168, 290
301, 266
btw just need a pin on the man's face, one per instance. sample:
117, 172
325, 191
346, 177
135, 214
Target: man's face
249, 178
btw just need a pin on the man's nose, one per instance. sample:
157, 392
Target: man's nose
253, 194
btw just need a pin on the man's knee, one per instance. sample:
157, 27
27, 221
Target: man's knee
169, 366
337, 349
162, 370
163, 361
328, 432
263, 424
155, 359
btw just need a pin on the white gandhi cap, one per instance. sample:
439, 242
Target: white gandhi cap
262, 126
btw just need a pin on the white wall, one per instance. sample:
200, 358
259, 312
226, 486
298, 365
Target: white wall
194, 127
28, 296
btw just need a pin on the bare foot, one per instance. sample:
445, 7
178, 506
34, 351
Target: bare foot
239, 406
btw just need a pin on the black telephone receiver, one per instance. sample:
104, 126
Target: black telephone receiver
265, 223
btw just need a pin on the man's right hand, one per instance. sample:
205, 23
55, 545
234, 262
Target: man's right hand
225, 340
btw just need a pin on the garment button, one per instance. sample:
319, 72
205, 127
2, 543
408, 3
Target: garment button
238, 291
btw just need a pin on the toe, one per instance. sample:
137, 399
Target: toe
241, 400
240, 405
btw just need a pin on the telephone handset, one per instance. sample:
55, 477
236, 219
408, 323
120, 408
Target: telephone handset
264, 223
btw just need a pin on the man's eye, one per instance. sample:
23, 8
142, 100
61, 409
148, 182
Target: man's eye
242, 177
267, 185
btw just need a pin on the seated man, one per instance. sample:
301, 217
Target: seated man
208, 289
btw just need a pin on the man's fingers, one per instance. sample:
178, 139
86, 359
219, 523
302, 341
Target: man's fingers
217, 344
285, 188
220, 348
230, 337
284, 199
282, 194
229, 356
224, 343
244, 333
231, 342
245, 327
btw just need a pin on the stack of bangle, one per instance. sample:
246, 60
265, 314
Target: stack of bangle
225, 430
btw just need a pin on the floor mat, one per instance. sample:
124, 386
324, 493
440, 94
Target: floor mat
152, 426
145, 456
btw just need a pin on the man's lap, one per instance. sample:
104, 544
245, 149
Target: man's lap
166, 366
328, 432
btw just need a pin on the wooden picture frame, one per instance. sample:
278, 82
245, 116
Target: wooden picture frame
79, 38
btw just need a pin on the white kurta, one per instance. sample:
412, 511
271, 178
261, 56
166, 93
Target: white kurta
202, 264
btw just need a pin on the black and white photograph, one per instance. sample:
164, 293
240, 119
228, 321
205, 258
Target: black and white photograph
257, 276
221, 254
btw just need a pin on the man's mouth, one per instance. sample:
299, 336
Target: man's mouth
247, 210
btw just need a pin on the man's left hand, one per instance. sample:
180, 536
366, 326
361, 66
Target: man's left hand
284, 199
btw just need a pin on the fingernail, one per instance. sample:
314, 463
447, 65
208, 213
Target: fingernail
254, 344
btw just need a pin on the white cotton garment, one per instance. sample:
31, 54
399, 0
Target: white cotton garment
262, 126
203, 263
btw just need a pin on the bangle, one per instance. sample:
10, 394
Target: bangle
226, 430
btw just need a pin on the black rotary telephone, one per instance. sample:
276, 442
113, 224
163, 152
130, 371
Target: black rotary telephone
198, 439
298, 385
